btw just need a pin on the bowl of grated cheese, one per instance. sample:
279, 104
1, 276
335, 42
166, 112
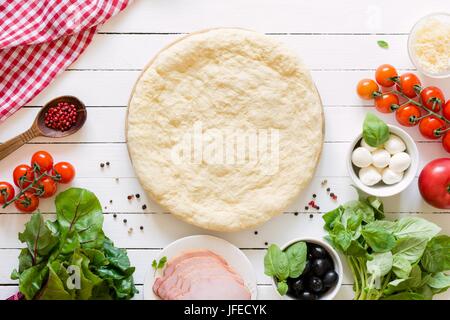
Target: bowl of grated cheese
429, 45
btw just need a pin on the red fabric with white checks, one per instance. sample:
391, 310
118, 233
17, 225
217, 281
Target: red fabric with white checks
40, 39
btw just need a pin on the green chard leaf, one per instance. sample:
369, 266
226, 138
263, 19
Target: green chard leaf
32, 279
375, 131
80, 218
54, 287
436, 257
296, 255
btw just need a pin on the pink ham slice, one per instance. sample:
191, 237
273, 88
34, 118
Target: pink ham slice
200, 275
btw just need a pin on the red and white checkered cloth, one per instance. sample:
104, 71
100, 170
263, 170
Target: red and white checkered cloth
40, 38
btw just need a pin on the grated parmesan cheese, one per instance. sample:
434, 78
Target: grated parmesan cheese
431, 45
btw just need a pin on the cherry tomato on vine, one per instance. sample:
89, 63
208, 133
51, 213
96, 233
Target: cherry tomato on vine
65, 170
432, 98
408, 83
384, 75
366, 89
6, 192
446, 141
428, 127
46, 187
23, 175
407, 114
43, 160
386, 103
446, 110
28, 202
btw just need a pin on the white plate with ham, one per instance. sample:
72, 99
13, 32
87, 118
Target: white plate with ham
202, 268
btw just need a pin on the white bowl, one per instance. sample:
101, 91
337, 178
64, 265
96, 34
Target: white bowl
381, 189
411, 38
330, 294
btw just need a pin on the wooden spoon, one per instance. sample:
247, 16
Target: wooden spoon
40, 129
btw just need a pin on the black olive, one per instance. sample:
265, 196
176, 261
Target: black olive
307, 269
315, 284
330, 279
321, 266
306, 295
309, 256
299, 286
319, 253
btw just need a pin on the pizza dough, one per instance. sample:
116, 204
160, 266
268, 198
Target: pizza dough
238, 85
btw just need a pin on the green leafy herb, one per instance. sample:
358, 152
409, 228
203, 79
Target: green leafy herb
158, 265
383, 44
74, 240
392, 260
375, 131
283, 265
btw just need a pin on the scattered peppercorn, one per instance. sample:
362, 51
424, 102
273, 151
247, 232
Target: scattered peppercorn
130, 197
62, 117
314, 195
124, 220
144, 207
141, 227
318, 208
107, 163
256, 232
296, 213
266, 243
117, 179
110, 201
115, 215
306, 207
311, 216
102, 165
130, 230
138, 195
106, 207
324, 182
328, 189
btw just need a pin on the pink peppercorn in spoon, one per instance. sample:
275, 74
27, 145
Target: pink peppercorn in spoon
58, 118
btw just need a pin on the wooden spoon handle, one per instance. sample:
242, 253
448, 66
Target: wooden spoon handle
15, 143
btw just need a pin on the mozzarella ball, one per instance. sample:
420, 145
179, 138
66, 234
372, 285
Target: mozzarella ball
400, 162
361, 157
394, 144
366, 146
369, 176
390, 177
380, 158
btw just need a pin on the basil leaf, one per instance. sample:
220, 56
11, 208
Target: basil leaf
436, 257
162, 262
401, 267
439, 281
296, 255
410, 248
375, 131
405, 296
383, 44
276, 263
379, 239
282, 287
380, 264
415, 227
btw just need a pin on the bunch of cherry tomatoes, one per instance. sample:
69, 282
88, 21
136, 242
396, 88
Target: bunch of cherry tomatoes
39, 180
411, 103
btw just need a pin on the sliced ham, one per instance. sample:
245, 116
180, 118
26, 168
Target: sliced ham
200, 275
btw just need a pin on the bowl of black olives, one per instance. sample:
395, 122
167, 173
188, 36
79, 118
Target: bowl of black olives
321, 278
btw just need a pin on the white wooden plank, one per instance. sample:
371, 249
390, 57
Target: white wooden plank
112, 51
349, 16
113, 88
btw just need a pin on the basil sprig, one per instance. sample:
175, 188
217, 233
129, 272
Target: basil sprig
375, 131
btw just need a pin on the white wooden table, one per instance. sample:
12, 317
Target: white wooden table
336, 39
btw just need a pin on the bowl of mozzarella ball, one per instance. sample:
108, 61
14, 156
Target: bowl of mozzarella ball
387, 169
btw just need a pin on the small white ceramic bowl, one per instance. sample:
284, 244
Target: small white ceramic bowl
330, 294
443, 16
381, 189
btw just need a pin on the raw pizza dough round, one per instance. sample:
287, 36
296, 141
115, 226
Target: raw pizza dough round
227, 80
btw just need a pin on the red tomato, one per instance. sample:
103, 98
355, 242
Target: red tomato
386, 103
408, 83
428, 127
434, 183
6, 192
432, 98
65, 171
384, 75
43, 160
28, 202
446, 141
366, 88
23, 176
407, 114
446, 110
46, 187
